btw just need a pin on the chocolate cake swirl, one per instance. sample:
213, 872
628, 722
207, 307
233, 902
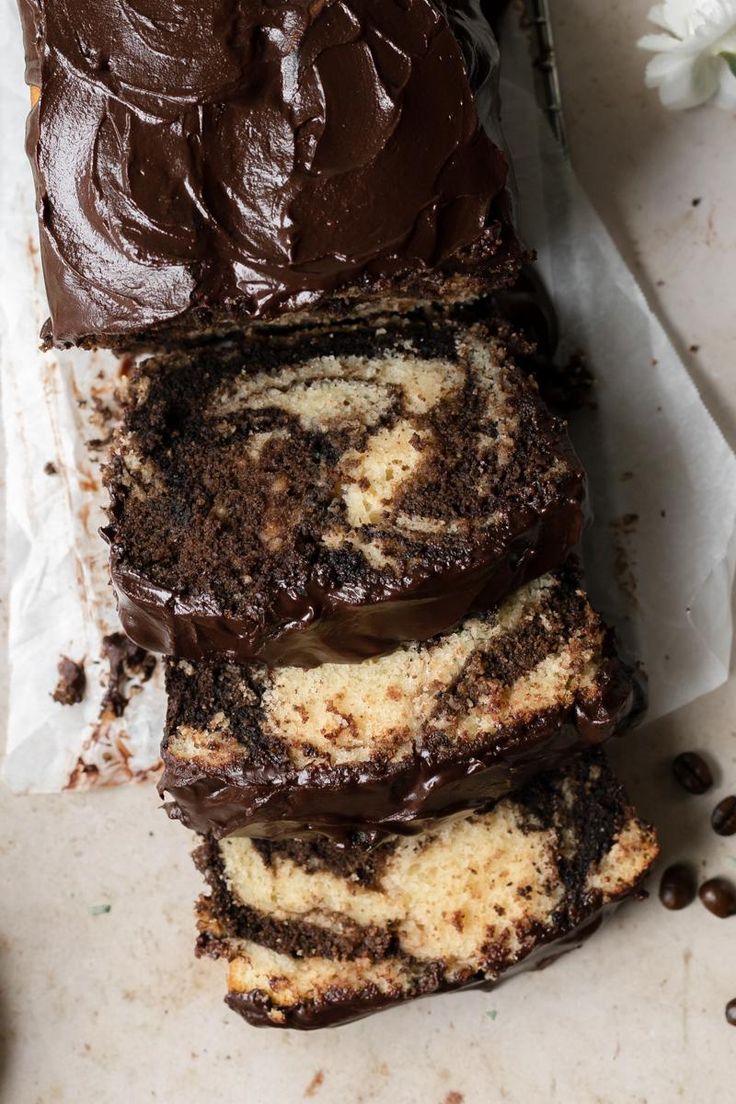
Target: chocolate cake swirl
322, 496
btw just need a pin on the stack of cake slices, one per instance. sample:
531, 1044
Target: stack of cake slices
338, 503
386, 684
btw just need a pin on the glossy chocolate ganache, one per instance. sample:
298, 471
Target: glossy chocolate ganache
199, 163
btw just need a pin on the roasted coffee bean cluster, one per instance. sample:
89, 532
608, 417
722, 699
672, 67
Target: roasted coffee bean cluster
678, 887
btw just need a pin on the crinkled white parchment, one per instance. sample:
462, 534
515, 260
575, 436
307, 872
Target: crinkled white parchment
59, 599
661, 553
660, 556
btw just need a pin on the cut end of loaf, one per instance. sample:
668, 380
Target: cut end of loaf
314, 934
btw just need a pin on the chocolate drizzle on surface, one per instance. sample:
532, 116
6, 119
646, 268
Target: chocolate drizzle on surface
106, 757
126, 663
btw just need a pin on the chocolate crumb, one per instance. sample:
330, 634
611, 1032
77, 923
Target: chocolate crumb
50, 468
719, 897
72, 682
677, 887
696, 201
694, 348
126, 662
567, 387
624, 562
692, 772
723, 817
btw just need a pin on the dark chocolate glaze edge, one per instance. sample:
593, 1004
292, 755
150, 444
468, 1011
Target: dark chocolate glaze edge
375, 802
323, 626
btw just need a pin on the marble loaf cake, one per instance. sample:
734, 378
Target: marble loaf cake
204, 166
317, 935
388, 744
322, 497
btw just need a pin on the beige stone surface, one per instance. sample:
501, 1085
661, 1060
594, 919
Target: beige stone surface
111, 1007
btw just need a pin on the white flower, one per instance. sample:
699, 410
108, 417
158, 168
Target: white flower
696, 56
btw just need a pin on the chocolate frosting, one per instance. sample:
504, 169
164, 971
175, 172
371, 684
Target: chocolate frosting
249, 158
324, 625
372, 802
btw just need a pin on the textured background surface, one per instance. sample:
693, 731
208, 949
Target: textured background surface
110, 1006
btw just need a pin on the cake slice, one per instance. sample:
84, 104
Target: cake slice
388, 744
318, 935
204, 166
321, 497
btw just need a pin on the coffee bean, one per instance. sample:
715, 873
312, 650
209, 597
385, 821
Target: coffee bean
719, 897
677, 887
723, 817
692, 772
731, 1012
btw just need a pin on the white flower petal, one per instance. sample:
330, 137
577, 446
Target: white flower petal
726, 94
658, 42
667, 68
675, 16
658, 16
686, 68
718, 12
706, 77
689, 86
728, 42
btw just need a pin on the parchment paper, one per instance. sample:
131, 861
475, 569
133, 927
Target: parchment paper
660, 556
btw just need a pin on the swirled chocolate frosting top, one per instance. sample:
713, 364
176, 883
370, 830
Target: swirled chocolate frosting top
239, 159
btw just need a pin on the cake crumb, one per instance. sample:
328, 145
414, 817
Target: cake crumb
624, 563
50, 468
454, 1098
315, 1084
72, 682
